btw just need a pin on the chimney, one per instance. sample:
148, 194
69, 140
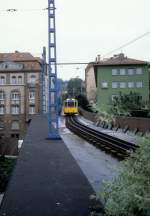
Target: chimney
98, 58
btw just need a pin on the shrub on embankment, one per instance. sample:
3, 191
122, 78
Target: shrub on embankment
6, 167
129, 193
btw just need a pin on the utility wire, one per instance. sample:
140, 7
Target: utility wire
12, 10
127, 44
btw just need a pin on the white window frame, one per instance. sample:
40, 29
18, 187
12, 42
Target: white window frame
15, 110
139, 84
114, 72
104, 84
32, 78
114, 84
15, 95
122, 71
32, 95
20, 79
122, 85
2, 80
131, 71
139, 71
31, 109
2, 95
131, 86
13, 80
2, 110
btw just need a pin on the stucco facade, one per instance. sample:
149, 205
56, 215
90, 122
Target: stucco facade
19, 93
90, 83
118, 74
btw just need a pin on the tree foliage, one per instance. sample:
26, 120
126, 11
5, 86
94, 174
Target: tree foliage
125, 103
129, 193
75, 87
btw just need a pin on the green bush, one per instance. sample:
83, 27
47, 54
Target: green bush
6, 166
129, 193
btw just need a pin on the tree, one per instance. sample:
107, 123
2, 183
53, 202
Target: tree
125, 103
129, 193
75, 87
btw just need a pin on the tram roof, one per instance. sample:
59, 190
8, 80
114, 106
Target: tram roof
70, 99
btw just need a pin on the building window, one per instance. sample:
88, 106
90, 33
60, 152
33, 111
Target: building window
32, 97
2, 110
15, 96
130, 84
122, 71
2, 95
139, 71
14, 109
122, 85
2, 80
32, 79
139, 84
1, 125
19, 79
32, 109
114, 84
130, 71
15, 125
13, 80
104, 84
114, 72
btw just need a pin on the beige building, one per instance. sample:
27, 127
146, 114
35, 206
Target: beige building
19, 92
90, 83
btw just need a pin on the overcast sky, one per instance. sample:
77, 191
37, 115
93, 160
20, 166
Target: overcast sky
85, 29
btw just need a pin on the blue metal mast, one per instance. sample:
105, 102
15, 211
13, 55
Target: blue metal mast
53, 130
43, 80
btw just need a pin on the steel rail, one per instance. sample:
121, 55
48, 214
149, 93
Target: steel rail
119, 147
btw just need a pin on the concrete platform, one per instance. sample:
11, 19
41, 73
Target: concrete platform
47, 180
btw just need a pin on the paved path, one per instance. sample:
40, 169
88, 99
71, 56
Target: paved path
47, 180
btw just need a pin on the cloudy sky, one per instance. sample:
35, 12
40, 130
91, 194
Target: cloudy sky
85, 29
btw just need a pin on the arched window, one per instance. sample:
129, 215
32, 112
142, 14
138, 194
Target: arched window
13, 80
15, 125
32, 79
2, 80
19, 79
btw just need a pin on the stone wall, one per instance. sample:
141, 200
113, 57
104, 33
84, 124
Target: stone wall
142, 124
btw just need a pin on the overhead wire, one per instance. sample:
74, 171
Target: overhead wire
127, 44
12, 10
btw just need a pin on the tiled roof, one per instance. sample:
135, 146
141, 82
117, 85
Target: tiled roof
16, 56
119, 59
30, 62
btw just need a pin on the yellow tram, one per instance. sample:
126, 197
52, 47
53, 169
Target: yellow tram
70, 106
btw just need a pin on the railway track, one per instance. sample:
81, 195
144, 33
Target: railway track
108, 143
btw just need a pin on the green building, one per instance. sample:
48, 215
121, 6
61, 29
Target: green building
120, 74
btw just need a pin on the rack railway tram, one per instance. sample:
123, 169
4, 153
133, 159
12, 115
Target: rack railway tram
70, 106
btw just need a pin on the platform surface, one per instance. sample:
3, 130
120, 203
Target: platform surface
46, 180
